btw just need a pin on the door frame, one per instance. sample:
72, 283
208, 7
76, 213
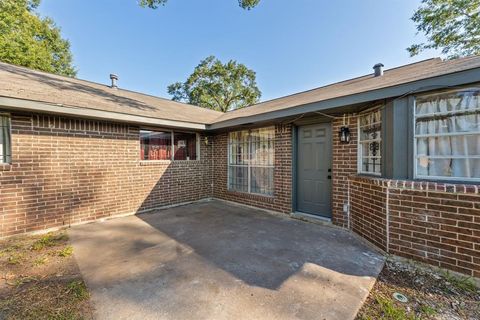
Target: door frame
295, 165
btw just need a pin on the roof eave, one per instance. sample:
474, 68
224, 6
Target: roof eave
434, 83
16, 104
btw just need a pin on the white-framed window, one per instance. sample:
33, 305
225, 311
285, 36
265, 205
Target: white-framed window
370, 143
5, 139
447, 135
251, 160
169, 145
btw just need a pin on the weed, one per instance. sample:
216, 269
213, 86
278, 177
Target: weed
428, 310
22, 280
66, 252
78, 289
15, 258
48, 240
391, 311
40, 261
462, 283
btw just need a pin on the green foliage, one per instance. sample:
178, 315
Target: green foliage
218, 86
154, 4
28, 40
460, 282
66, 252
391, 311
78, 289
48, 240
450, 25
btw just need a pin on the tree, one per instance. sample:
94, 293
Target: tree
450, 25
218, 86
28, 40
154, 4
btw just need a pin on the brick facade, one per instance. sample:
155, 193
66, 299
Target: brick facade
66, 171
435, 223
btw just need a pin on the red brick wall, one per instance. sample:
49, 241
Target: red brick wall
66, 171
281, 201
435, 223
368, 211
344, 165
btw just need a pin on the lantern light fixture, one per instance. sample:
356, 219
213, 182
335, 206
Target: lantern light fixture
344, 135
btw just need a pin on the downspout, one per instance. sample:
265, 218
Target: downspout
213, 169
348, 205
387, 216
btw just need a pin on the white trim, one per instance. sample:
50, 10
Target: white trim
248, 163
447, 113
443, 134
360, 143
60, 109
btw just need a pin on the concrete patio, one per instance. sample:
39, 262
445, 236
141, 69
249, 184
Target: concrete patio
213, 260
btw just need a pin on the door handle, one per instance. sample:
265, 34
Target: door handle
329, 177
329, 170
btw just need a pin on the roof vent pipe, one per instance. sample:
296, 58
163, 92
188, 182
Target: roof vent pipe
114, 79
378, 69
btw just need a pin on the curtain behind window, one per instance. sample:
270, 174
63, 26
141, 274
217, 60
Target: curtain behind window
447, 133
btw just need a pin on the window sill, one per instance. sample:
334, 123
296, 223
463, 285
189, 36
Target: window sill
421, 185
251, 195
168, 162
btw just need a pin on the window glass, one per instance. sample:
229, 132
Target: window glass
447, 135
185, 146
155, 145
369, 143
251, 161
5, 139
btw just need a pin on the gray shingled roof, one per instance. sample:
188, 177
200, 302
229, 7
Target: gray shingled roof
393, 77
23, 83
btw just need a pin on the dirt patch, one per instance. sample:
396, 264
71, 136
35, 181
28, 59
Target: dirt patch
41, 280
429, 294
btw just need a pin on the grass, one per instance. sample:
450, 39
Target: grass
428, 310
41, 279
15, 258
49, 240
78, 289
66, 252
431, 295
40, 261
462, 283
391, 312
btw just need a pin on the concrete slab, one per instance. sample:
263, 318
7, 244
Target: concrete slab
213, 260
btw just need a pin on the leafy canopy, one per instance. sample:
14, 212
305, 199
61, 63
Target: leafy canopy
28, 40
218, 86
450, 25
154, 4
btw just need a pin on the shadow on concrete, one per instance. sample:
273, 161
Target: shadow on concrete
257, 248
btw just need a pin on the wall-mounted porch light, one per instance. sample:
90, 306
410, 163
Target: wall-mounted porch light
344, 133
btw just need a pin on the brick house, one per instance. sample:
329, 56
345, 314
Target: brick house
394, 156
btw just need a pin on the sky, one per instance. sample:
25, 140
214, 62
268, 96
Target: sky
292, 45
